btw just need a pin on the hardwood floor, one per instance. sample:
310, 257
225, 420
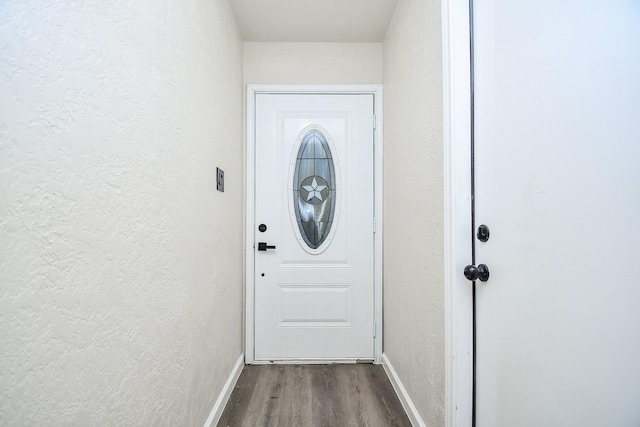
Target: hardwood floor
314, 396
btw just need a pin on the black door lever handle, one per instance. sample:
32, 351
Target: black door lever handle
262, 246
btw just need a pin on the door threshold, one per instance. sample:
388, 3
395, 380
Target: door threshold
311, 361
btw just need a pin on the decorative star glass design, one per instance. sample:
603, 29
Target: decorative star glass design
314, 188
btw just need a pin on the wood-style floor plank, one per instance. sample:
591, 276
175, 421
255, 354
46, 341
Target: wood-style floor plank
314, 396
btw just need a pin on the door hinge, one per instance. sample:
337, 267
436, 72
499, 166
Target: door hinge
374, 329
374, 121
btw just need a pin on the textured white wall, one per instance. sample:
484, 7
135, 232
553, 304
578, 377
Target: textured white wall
413, 200
312, 63
120, 264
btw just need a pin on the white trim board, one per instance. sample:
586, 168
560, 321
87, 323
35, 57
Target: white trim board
252, 90
457, 212
225, 393
406, 401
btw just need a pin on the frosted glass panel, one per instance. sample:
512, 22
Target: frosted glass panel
314, 189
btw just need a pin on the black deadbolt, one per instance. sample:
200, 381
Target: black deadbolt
262, 228
483, 233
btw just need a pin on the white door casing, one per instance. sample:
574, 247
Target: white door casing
557, 124
308, 304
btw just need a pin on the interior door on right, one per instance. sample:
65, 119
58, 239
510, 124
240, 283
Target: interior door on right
557, 87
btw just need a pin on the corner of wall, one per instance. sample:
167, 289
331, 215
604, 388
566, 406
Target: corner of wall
414, 327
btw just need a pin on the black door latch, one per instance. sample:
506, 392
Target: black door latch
481, 272
262, 246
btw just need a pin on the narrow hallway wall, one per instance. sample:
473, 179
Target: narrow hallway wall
120, 263
413, 200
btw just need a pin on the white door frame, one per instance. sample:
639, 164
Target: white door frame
457, 212
252, 91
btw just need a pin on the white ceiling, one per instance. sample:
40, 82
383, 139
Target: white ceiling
313, 20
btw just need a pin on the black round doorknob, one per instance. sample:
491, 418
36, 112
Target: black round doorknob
481, 272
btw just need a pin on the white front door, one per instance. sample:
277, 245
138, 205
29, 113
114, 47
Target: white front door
313, 230
557, 161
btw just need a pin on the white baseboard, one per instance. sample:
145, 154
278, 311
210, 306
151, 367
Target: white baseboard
406, 401
223, 398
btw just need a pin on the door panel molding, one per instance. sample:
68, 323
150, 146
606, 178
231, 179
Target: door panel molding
252, 91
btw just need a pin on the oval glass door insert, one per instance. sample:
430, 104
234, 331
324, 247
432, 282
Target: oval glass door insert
314, 189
